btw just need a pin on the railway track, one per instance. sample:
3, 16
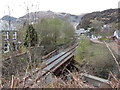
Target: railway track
50, 65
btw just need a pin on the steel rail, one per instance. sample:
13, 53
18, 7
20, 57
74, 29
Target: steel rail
27, 77
55, 66
50, 53
56, 58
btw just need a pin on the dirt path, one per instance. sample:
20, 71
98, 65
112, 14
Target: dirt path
114, 46
96, 41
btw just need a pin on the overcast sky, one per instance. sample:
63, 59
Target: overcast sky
18, 7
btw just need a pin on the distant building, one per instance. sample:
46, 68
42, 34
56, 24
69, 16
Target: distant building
9, 37
81, 31
117, 36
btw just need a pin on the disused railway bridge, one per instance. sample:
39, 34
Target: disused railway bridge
51, 65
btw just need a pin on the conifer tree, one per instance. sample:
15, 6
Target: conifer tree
31, 38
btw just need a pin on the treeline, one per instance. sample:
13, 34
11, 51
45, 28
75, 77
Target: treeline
51, 33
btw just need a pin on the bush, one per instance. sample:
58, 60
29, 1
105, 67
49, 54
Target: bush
81, 50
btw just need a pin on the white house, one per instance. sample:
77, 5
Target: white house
117, 34
9, 36
81, 31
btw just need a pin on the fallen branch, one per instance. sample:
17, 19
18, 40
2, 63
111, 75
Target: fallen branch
115, 83
75, 79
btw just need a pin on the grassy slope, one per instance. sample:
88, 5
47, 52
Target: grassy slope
96, 57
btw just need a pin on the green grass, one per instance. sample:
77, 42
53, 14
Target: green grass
81, 50
97, 56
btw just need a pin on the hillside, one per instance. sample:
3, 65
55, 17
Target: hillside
7, 18
37, 16
107, 17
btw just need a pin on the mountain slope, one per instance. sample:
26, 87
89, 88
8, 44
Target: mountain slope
106, 16
8, 18
38, 16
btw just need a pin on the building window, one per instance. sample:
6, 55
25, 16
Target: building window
6, 35
14, 46
14, 35
6, 46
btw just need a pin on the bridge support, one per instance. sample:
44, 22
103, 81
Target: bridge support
61, 71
